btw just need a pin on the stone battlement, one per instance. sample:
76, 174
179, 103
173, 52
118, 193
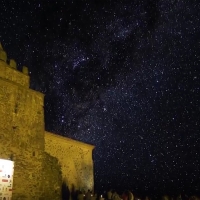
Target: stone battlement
9, 71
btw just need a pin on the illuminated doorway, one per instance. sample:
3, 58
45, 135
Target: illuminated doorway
6, 179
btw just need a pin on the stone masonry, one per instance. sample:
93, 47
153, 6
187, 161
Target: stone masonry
43, 161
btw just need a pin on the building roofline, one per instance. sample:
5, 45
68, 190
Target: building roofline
69, 140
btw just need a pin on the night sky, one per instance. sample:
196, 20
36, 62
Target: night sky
121, 75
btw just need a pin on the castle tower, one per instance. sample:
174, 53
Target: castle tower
21, 128
44, 162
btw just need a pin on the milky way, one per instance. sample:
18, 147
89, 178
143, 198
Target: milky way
121, 75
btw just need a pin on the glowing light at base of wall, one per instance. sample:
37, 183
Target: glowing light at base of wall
6, 179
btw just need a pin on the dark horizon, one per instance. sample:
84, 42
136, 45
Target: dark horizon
123, 76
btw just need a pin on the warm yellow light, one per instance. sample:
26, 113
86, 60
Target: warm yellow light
6, 174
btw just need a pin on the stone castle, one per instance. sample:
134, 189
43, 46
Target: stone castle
46, 165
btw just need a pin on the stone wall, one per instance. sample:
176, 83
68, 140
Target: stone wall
22, 133
38, 174
52, 178
75, 158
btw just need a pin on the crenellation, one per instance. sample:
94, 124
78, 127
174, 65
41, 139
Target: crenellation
3, 54
10, 72
25, 70
13, 64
